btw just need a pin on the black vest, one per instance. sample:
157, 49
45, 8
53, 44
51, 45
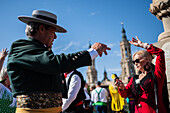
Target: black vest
81, 95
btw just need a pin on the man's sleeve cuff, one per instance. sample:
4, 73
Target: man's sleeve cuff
93, 53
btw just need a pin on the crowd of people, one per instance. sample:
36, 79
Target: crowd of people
37, 80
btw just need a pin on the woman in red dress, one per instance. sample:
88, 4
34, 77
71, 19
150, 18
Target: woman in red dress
142, 85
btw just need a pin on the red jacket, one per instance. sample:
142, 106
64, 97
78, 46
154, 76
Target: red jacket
146, 100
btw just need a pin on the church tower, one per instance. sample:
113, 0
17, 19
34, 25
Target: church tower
105, 75
105, 82
126, 59
91, 72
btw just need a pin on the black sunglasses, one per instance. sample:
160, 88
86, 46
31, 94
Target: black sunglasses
137, 61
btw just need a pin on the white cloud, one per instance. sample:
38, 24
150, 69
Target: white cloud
57, 48
71, 44
67, 47
93, 13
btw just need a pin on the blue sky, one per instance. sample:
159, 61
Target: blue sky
94, 20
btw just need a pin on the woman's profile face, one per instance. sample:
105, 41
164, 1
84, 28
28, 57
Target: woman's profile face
139, 62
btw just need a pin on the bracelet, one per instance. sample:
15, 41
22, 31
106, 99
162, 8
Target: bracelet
145, 45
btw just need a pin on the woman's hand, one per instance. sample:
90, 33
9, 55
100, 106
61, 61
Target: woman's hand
138, 43
3, 53
120, 85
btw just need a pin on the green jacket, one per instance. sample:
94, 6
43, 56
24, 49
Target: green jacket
32, 68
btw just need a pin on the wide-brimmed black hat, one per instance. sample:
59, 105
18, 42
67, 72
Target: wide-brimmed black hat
44, 17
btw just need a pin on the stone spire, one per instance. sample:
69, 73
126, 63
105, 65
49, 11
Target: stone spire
123, 33
105, 75
91, 72
89, 44
105, 81
126, 59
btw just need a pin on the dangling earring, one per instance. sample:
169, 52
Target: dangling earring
147, 67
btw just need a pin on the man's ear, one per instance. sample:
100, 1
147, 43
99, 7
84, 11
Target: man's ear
42, 28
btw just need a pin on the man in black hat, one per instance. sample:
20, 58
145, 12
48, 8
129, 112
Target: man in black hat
36, 74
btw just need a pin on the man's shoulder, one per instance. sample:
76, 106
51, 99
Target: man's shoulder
28, 40
75, 76
96, 89
21, 42
104, 89
93, 91
27, 43
101, 89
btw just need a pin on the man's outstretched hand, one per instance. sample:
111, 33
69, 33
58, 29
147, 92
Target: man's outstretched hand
100, 48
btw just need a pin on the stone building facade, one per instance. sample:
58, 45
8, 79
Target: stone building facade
161, 9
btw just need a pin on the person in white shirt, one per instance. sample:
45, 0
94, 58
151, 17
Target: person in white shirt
75, 84
99, 98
